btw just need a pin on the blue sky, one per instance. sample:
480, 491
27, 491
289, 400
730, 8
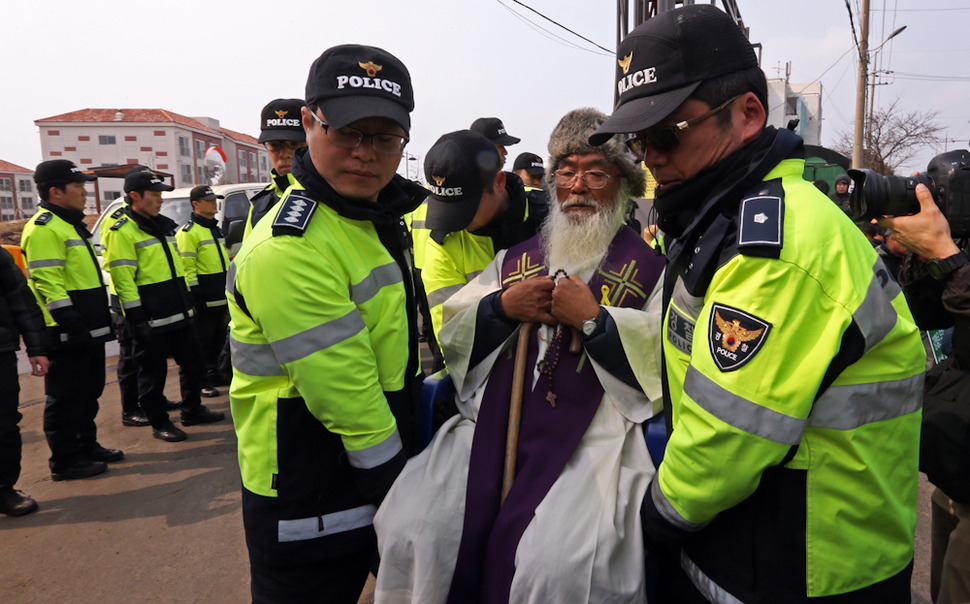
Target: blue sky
468, 59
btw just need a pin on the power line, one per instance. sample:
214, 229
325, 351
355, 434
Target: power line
557, 24
545, 32
930, 78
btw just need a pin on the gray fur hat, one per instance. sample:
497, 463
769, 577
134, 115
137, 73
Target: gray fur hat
571, 136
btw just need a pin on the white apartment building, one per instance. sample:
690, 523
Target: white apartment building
160, 139
788, 101
18, 195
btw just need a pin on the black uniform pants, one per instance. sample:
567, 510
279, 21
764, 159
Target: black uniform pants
151, 357
211, 324
74, 382
127, 370
10, 442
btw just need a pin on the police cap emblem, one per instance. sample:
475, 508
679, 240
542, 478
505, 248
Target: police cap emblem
735, 336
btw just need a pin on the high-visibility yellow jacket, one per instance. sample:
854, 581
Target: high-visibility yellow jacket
146, 271
266, 200
205, 260
795, 378
64, 273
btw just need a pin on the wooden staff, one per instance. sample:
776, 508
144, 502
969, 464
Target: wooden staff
515, 407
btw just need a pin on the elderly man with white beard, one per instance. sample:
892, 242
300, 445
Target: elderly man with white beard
569, 528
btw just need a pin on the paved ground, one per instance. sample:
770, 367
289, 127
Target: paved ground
164, 525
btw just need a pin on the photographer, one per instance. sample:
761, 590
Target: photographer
937, 287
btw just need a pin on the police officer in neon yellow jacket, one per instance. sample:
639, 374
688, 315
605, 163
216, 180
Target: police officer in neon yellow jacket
281, 132
474, 210
66, 279
147, 277
793, 366
205, 261
324, 337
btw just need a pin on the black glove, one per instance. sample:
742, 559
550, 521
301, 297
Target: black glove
77, 332
143, 333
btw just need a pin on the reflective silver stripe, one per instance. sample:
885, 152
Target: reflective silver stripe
704, 584
254, 359
851, 406
122, 262
63, 337
305, 343
45, 263
193, 282
167, 320
231, 279
669, 513
206, 242
418, 224
388, 274
59, 304
101, 331
303, 529
132, 304
876, 316
146, 243
73, 243
171, 239
215, 303
381, 453
439, 296
188, 254
471, 276
742, 413
889, 286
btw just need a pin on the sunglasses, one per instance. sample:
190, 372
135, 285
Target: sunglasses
664, 138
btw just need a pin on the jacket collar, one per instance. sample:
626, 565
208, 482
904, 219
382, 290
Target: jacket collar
399, 197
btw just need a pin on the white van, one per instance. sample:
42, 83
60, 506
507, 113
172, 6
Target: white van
176, 205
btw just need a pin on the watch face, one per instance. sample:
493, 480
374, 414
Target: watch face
589, 326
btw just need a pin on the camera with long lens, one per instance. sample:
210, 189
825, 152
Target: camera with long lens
947, 176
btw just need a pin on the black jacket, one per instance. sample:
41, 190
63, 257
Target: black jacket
19, 313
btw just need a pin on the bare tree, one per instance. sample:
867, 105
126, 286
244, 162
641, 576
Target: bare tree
893, 138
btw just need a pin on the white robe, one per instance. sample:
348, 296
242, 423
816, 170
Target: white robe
584, 543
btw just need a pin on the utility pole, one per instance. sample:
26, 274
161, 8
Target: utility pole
860, 95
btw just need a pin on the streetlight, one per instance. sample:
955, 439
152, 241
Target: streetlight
860, 101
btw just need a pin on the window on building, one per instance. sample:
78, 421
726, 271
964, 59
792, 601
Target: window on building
106, 139
6, 184
6, 202
184, 149
186, 174
25, 184
242, 161
200, 149
262, 163
27, 203
200, 174
111, 195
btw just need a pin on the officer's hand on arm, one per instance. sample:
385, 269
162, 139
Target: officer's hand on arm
926, 233
38, 365
573, 302
530, 301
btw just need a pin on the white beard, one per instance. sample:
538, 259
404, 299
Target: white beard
577, 243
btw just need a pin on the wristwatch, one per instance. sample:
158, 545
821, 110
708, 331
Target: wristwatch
590, 325
941, 268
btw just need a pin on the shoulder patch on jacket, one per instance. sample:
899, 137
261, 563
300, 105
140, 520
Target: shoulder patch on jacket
118, 224
294, 215
187, 226
735, 336
44, 218
761, 222
119, 212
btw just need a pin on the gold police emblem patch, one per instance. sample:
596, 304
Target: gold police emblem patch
439, 180
370, 67
735, 336
281, 113
625, 63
